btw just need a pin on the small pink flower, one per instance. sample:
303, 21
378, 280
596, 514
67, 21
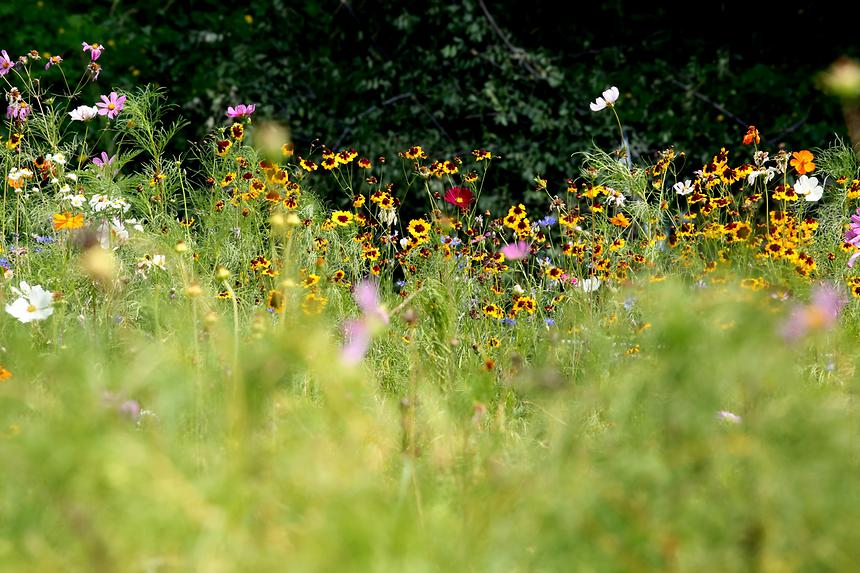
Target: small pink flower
358, 332
18, 110
852, 236
53, 61
241, 110
516, 251
95, 50
111, 105
730, 417
6, 64
821, 313
103, 160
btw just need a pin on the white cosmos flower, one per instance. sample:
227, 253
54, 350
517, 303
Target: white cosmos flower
84, 113
768, 172
809, 188
33, 303
590, 284
683, 187
609, 98
77, 201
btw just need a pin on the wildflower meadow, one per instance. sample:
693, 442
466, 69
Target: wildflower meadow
256, 355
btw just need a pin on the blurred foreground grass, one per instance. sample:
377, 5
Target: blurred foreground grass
591, 446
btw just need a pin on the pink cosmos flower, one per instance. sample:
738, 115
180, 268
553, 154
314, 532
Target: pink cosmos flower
103, 160
820, 314
111, 105
6, 64
18, 110
53, 61
852, 236
95, 50
516, 251
358, 332
241, 110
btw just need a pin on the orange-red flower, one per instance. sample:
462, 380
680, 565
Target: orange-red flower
68, 221
802, 162
751, 136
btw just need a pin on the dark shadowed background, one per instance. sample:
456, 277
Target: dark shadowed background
513, 77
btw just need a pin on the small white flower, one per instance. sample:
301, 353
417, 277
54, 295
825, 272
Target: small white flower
33, 303
616, 197
57, 158
135, 224
118, 230
609, 98
72, 176
809, 187
16, 174
518, 289
590, 284
77, 201
730, 417
769, 173
84, 113
404, 242
99, 202
388, 216
54, 180
683, 187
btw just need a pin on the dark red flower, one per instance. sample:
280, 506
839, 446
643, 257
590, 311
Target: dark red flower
459, 197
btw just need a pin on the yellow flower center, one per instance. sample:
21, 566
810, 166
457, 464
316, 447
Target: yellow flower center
111, 106
31, 308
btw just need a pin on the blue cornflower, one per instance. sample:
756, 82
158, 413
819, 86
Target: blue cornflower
549, 321
5, 263
43, 240
547, 221
509, 321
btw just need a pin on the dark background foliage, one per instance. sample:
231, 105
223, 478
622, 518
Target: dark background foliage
513, 77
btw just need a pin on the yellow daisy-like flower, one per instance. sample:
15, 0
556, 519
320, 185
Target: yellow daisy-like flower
342, 218
228, 179
310, 281
620, 220
419, 228
314, 303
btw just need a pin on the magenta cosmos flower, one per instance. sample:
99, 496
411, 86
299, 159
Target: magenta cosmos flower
241, 110
358, 332
852, 236
6, 64
103, 160
516, 251
459, 197
821, 313
111, 105
95, 50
